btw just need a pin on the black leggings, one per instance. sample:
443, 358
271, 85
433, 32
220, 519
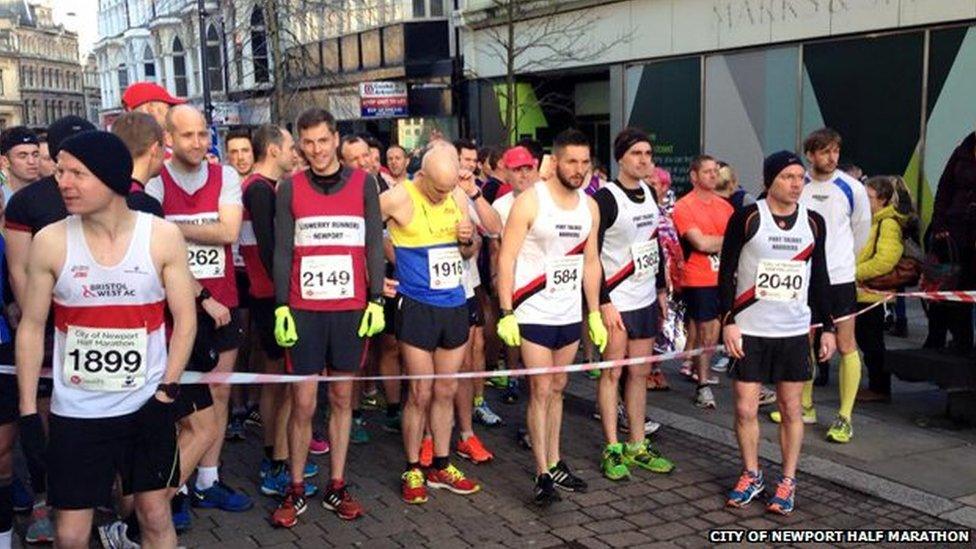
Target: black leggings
869, 331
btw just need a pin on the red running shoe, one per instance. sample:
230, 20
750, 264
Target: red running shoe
426, 451
286, 515
414, 490
338, 500
452, 479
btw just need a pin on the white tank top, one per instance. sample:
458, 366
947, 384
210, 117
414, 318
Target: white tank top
773, 278
110, 338
549, 266
630, 255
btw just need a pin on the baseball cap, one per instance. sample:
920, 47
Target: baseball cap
17, 135
144, 92
517, 157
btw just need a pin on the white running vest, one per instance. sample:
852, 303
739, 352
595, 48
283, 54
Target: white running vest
773, 278
631, 254
110, 336
549, 266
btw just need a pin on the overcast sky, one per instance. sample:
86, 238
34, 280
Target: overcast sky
80, 16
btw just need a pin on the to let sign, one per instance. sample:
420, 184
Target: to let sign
382, 99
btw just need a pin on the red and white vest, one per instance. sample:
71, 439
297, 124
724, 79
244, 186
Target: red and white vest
109, 339
262, 287
211, 265
328, 269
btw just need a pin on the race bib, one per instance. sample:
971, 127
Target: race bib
105, 359
714, 260
780, 279
326, 277
205, 261
446, 268
564, 274
646, 259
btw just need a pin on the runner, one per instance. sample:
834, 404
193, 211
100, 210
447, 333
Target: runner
150, 98
144, 139
843, 203
700, 218
432, 234
396, 162
773, 272
20, 146
631, 304
204, 200
274, 152
548, 259
328, 273
102, 424
240, 151
9, 416
47, 164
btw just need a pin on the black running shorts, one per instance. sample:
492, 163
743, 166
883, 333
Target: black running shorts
326, 339
642, 323
843, 299
773, 359
428, 327
262, 322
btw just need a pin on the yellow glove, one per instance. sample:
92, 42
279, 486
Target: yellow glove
284, 330
373, 321
598, 332
508, 331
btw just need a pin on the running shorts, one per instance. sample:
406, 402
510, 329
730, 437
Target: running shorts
551, 337
773, 359
702, 303
429, 327
642, 323
262, 322
843, 299
326, 339
476, 317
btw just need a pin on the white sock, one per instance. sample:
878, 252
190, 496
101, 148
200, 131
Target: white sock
6, 538
183, 490
206, 477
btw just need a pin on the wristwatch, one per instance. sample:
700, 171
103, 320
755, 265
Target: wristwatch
203, 296
171, 390
476, 196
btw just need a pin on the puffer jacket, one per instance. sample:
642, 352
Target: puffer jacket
882, 251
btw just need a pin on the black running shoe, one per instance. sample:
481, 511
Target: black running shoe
565, 479
545, 491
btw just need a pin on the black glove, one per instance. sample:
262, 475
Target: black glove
32, 438
156, 415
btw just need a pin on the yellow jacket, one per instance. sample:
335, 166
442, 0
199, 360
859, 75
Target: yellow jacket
882, 251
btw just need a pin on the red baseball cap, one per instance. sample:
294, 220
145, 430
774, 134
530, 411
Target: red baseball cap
516, 157
144, 92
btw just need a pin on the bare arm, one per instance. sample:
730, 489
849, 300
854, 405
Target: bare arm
180, 291
466, 229
42, 265
592, 269
226, 230
517, 227
706, 244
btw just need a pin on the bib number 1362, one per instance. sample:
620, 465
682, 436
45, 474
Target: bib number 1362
105, 359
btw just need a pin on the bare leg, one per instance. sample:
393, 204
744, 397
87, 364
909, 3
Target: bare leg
73, 528
221, 397
464, 396
303, 398
446, 361
540, 393
416, 361
791, 428
635, 388
155, 519
554, 421
747, 422
607, 385
340, 422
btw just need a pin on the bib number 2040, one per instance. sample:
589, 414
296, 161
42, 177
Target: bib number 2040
780, 280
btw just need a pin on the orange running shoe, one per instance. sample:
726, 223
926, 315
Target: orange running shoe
286, 515
426, 451
472, 449
413, 490
452, 479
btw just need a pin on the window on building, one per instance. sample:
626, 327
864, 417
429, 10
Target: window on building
259, 47
215, 65
179, 67
123, 77
148, 64
420, 8
428, 8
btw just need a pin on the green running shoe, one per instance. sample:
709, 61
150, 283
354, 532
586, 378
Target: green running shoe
809, 416
613, 462
593, 374
644, 456
840, 431
498, 382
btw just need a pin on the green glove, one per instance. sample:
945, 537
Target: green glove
284, 330
598, 332
508, 331
373, 321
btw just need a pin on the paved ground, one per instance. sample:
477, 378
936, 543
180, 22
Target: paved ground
670, 510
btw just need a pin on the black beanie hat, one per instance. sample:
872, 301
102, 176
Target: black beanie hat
17, 135
777, 162
105, 155
63, 128
627, 138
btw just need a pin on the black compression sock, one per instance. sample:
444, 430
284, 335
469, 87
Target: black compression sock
441, 463
357, 414
413, 465
269, 452
392, 409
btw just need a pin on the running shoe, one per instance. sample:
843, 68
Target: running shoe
318, 445
286, 515
565, 479
545, 491
746, 489
426, 451
721, 365
484, 415
279, 482
253, 417
180, 508
267, 466
840, 431
650, 427
498, 382
114, 536
392, 424
413, 490
656, 381
40, 529
472, 449
712, 380
235, 428
338, 500
704, 398
23, 499
783, 502
451, 479
809, 416
358, 433
373, 401
766, 395
593, 374
223, 497
646, 457
612, 462
311, 469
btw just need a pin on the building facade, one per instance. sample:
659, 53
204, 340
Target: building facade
93, 92
11, 107
159, 41
742, 78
